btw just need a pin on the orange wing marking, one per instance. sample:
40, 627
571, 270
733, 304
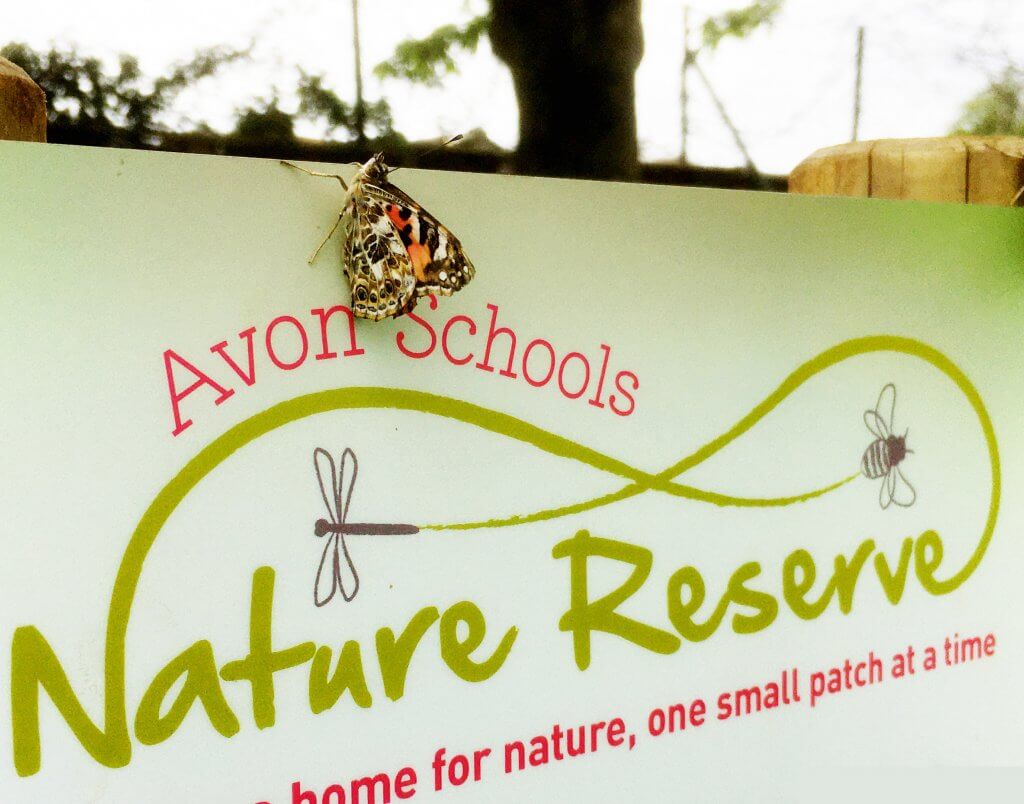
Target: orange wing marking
409, 231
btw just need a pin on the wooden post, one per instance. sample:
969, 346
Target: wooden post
966, 170
22, 105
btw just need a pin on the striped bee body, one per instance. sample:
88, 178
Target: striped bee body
882, 455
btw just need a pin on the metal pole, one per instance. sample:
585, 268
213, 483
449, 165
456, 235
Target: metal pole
857, 83
685, 94
360, 108
725, 117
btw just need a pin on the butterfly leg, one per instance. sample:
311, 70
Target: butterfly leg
314, 173
330, 234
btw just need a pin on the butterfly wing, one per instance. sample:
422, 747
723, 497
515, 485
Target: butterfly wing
436, 255
378, 267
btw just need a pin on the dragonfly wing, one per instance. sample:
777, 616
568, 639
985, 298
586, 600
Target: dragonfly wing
326, 583
327, 477
346, 483
904, 494
348, 578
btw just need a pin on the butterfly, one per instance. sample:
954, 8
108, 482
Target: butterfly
395, 252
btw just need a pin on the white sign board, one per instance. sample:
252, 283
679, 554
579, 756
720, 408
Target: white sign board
684, 487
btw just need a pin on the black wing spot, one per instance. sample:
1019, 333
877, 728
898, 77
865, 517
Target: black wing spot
432, 239
404, 213
376, 250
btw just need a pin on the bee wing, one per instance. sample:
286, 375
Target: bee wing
327, 477
886, 406
326, 583
904, 494
875, 424
885, 493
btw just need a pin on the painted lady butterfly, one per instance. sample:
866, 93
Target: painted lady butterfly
395, 251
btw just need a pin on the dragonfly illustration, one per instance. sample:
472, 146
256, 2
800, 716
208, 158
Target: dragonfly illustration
336, 485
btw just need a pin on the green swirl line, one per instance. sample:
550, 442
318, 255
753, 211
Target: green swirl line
813, 367
678, 490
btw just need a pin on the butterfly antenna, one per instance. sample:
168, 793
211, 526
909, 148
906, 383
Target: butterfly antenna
444, 144
435, 149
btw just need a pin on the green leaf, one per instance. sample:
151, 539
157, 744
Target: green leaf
998, 109
428, 60
319, 103
740, 22
112, 107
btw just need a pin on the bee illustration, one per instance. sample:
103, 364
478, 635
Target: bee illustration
884, 455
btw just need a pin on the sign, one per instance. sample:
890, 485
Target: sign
684, 487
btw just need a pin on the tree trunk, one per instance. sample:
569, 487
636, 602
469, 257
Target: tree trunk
573, 63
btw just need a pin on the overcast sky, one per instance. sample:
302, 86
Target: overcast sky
788, 88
